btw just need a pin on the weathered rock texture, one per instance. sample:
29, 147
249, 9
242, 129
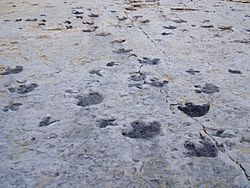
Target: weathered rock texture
124, 93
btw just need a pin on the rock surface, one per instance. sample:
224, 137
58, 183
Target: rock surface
91, 92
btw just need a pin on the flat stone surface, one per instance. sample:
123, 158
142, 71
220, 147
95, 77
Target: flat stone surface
91, 92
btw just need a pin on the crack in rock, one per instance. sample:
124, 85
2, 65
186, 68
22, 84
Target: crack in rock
193, 110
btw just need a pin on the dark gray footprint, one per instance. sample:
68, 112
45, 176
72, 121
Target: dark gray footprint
207, 88
143, 130
46, 122
9, 70
23, 89
89, 99
149, 61
103, 123
12, 107
203, 149
193, 110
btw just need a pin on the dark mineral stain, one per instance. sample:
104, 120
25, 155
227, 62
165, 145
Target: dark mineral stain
205, 149
169, 27
149, 61
46, 122
141, 130
194, 110
23, 89
137, 76
208, 89
103, 123
234, 71
123, 51
89, 99
15, 70
12, 106
97, 72
193, 72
